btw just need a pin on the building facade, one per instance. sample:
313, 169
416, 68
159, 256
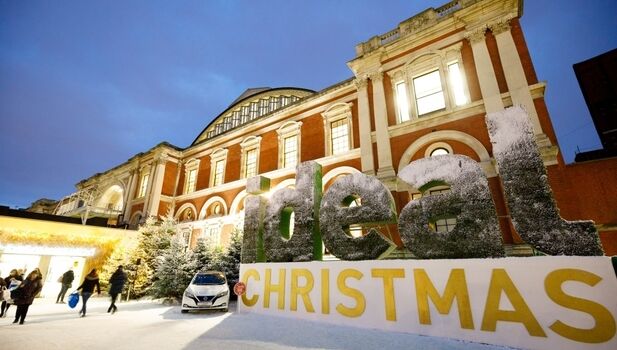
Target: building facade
419, 90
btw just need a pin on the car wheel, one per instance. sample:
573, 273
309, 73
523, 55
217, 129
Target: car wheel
184, 311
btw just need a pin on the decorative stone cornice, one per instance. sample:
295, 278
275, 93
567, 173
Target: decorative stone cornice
476, 35
161, 158
500, 27
376, 76
360, 83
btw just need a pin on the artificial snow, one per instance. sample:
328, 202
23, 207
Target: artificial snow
148, 325
534, 213
476, 234
377, 208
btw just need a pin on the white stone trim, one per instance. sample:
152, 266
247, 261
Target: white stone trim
485, 159
289, 129
248, 144
364, 127
336, 172
235, 204
183, 207
333, 113
484, 67
436, 145
325, 161
191, 164
210, 201
217, 155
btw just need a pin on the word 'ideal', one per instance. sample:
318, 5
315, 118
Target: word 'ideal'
323, 219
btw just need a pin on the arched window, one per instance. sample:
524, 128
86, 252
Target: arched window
439, 151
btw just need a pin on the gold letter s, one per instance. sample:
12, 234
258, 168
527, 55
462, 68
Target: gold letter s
604, 328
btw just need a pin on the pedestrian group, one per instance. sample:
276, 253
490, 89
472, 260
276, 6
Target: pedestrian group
20, 291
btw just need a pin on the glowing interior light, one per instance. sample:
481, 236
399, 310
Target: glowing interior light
457, 84
401, 102
43, 250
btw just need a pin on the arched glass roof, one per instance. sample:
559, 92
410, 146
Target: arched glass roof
253, 104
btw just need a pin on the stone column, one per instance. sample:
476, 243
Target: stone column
130, 194
147, 197
384, 152
157, 185
364, 126
515, 76
486, 73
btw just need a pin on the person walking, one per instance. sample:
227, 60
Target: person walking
67, 281
116, 281
26, 293
10, 279
87, 289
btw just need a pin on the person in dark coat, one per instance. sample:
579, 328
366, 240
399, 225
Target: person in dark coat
116, 282
67, 282
4, 309
87, 288
26, 293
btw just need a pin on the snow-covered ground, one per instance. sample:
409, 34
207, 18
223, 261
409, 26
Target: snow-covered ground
148, 325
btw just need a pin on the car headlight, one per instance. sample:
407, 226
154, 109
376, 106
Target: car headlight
222, 294
188, 294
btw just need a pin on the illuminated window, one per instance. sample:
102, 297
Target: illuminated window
250, 156
338, 126
218, 172
431, 82
401, 102
429, 93
289, 144
355, 230
218, 159
254, 111
290, 153
340, 136
190, 175
250, 168
457, 84
143, 185
446, 224
191, 180
439, 151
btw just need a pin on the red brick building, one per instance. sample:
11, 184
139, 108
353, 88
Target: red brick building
423, 88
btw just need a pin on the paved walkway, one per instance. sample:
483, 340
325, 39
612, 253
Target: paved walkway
147, 325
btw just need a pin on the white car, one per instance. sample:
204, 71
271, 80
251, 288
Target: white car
207, 291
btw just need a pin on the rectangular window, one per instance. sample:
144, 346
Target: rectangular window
284, 101
254, 112
250, 166
143, 185
218, 173
339, 136
191, 179
274, 103
290, 151
446, 224
211, 233
401, 102
429, 93
245, 114
263, 107
456, 80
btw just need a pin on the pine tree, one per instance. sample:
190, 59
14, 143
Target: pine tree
173, 272
230, 260
120, 256
203, 255
154, 240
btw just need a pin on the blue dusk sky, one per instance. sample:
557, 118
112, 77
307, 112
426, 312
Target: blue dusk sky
86, 85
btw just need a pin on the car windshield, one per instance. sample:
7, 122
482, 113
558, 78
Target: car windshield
210, 278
